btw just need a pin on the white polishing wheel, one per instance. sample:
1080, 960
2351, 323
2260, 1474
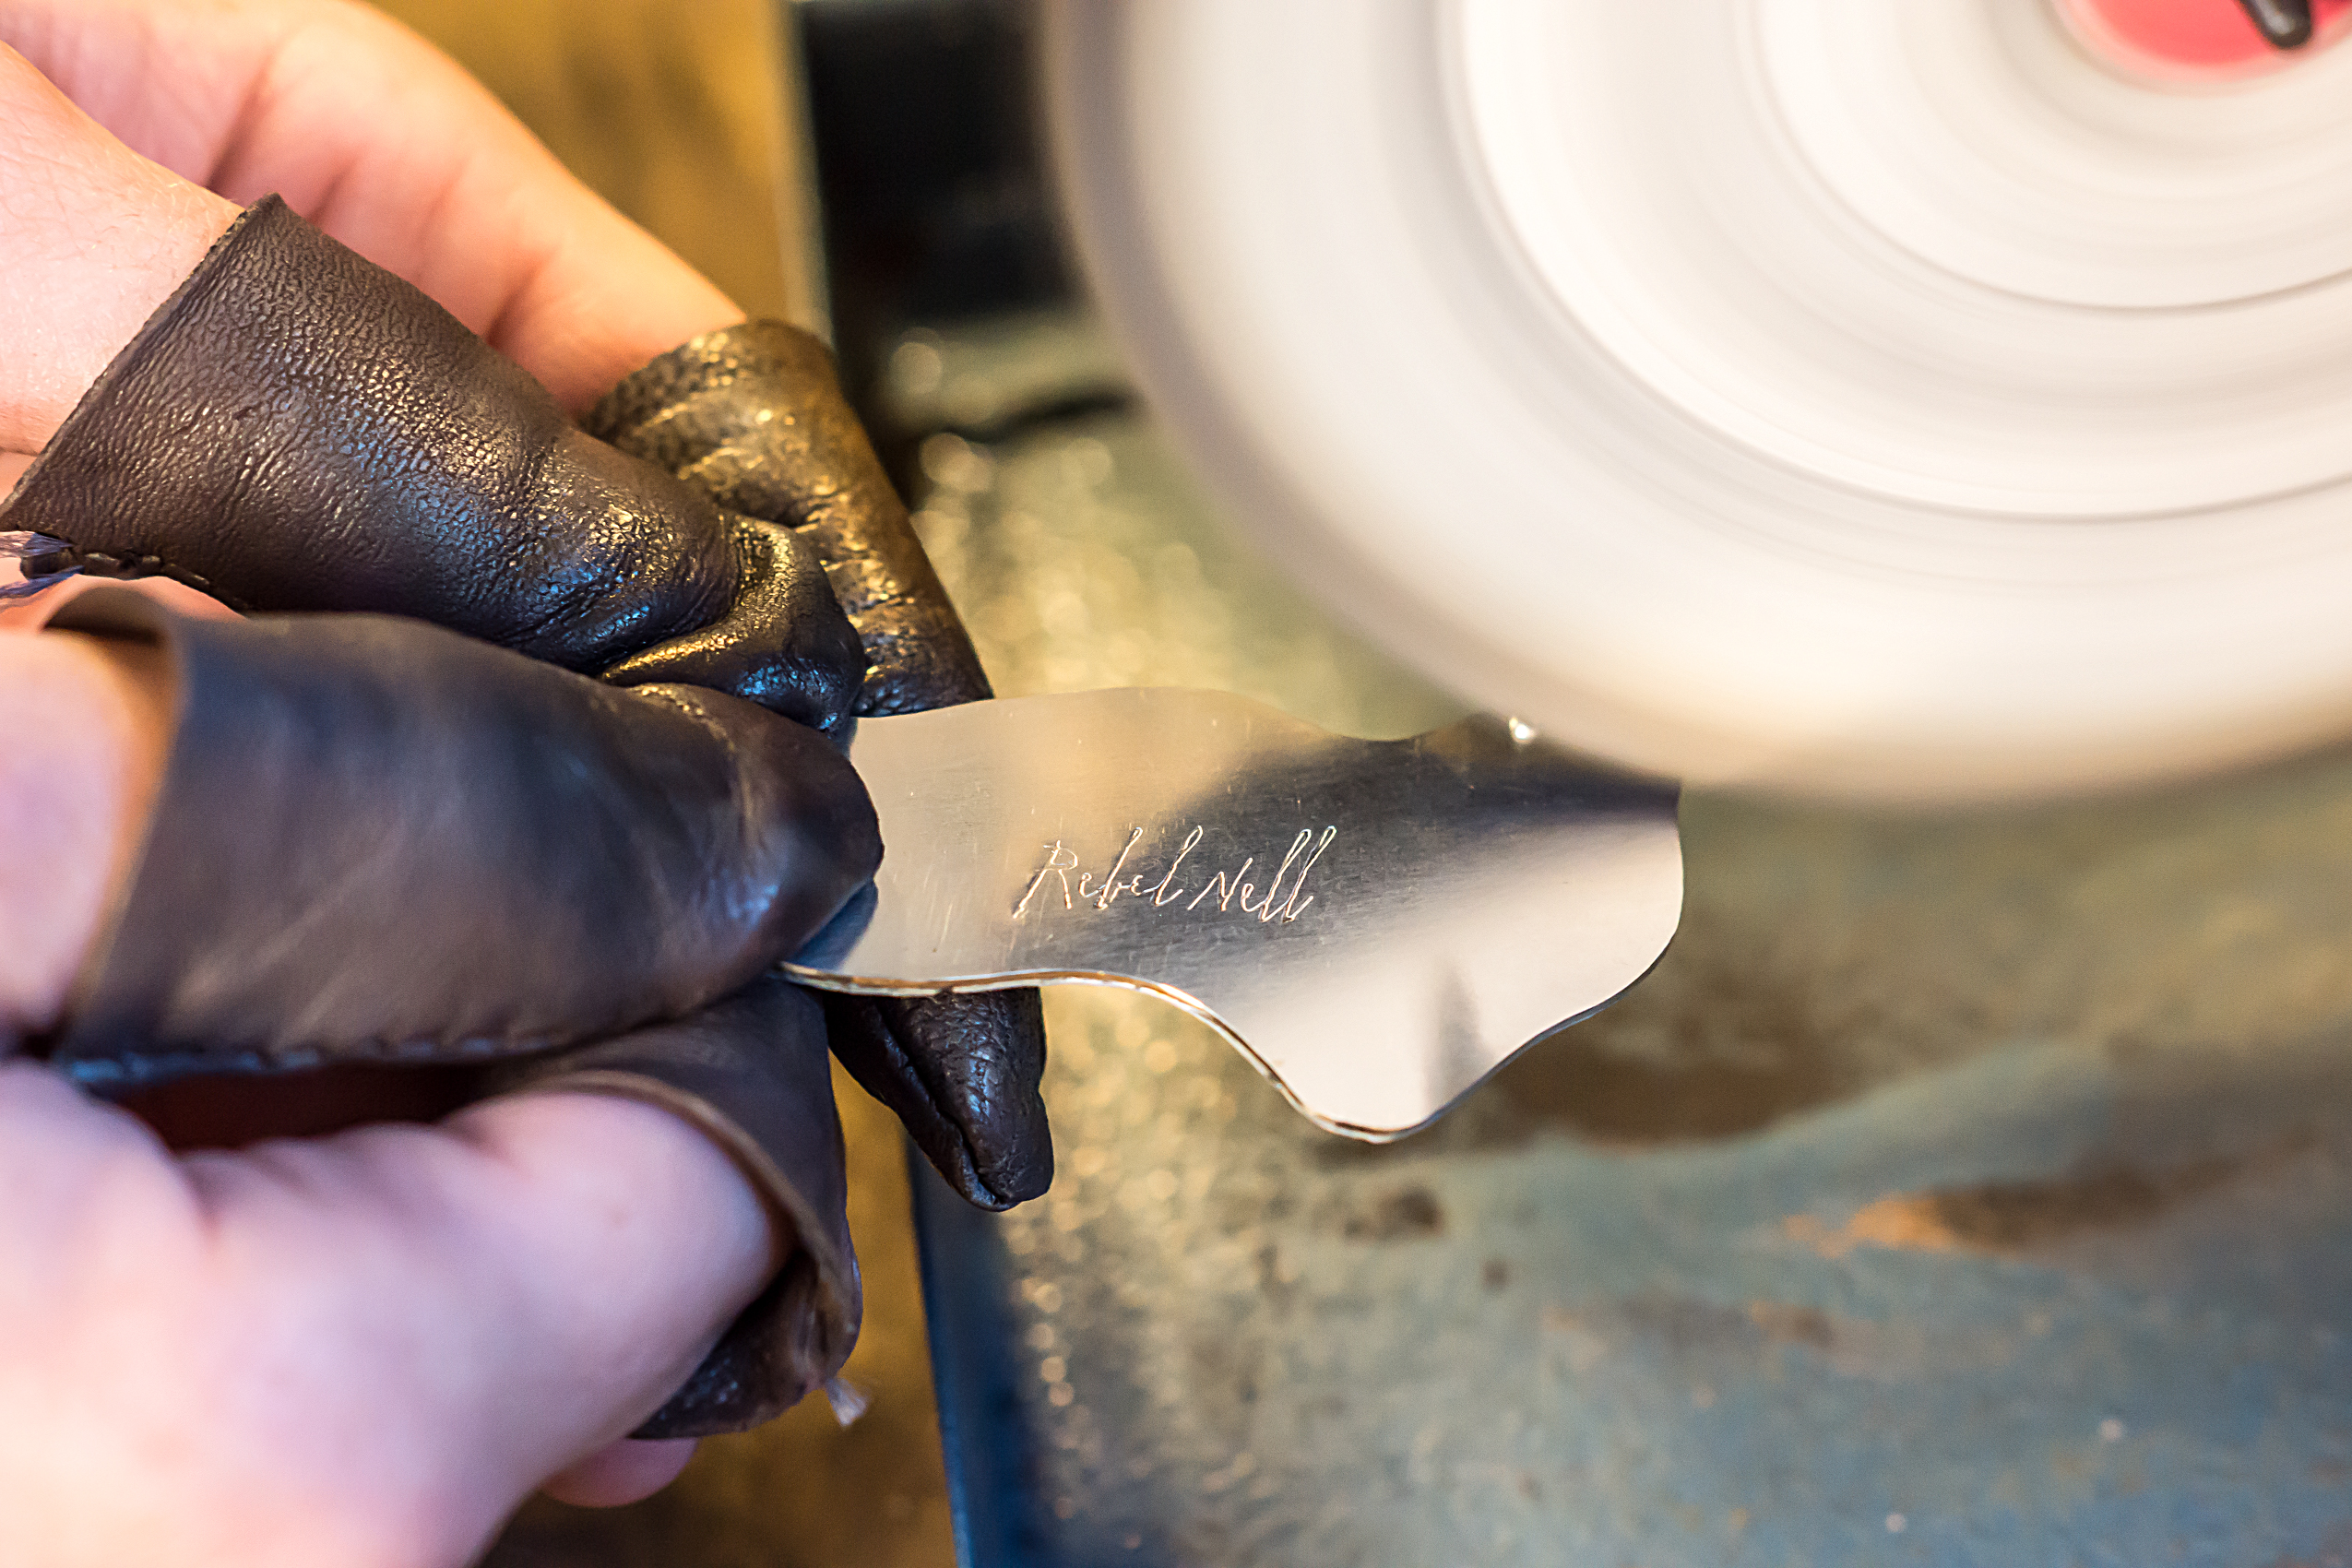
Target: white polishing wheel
1924, 399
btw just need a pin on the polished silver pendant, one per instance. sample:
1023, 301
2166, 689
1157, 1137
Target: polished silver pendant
1376, 925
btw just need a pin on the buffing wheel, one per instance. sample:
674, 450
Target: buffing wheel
1934, 399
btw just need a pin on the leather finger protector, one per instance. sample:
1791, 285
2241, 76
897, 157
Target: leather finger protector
297, 429
961, 1070
754, 417
377, 840
751, 1073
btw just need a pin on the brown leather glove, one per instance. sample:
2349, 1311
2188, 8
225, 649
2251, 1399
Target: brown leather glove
754, 417
297, 429
377, 840
752, 1073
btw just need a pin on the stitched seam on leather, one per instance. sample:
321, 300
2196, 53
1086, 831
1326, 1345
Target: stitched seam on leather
144, 1068
162, 568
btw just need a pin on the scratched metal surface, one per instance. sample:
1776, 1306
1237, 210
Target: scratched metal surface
1441, 902
1957, 1191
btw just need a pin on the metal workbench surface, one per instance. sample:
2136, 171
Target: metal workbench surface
1965, 1189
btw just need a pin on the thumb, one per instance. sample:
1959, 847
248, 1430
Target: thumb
367, 1347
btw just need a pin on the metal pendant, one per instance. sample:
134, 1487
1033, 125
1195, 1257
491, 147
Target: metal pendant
1376, 925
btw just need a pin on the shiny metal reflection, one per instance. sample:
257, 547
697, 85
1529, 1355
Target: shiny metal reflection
1376, 925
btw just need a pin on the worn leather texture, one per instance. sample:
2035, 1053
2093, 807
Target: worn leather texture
752, 1073
375, 840
297, 429
753, 416
378, 842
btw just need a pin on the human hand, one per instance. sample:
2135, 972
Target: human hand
776, 442
367, 131
366, 1349
375, 840
359, 1349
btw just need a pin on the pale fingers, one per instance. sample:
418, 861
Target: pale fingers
85, 726
385, 143
92, 238
361, 1349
